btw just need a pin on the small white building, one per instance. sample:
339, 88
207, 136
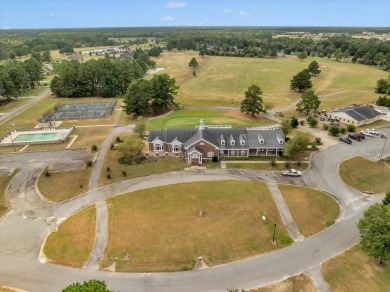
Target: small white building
356, 115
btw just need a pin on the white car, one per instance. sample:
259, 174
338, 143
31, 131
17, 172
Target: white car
373, 131
291, 172
367, 133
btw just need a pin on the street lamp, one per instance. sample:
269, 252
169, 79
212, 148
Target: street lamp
273, 238
383, 149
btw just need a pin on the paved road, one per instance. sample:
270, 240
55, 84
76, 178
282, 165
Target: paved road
30, 221
24, 106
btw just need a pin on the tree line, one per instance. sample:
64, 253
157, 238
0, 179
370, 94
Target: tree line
104, 77
17, 77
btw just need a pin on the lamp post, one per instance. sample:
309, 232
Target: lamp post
383, 149
273, 238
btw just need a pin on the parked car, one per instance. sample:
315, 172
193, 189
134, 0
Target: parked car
361, 135
355, 137
291, 172
366, 133
345, 140
372, 131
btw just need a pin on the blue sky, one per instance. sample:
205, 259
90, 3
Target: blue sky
136, 13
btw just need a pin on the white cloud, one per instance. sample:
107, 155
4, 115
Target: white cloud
199, 24
176, 5
7, 27
167, 18
243, 14
226, 11
52, 15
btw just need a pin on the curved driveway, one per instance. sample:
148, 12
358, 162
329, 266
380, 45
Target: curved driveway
31, 219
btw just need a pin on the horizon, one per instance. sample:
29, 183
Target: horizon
72, 14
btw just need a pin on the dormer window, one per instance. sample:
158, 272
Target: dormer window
280, 139
242, 142
260, 138
232, 142
223, 142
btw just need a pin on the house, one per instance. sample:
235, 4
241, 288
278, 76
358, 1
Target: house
356, 115
126, 55
76, 57
48, 69
205, 142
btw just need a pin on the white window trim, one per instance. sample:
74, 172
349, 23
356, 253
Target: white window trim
210, 154
223, 143
158, 145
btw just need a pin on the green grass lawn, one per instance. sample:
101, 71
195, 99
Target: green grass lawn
12, 104
311, 210
267, 166
146, 168
354, 271
72, 244
162, 230
354, 173
191, 118
4, 180
223, 81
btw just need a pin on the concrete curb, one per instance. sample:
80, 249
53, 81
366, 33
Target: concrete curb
41, 196
6, 194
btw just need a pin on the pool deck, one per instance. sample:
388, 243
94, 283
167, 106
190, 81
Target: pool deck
9, 139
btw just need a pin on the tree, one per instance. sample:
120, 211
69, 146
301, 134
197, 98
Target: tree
7, 87
253, 102
162, 92
88, 286
374, 229
137, 97
286, 127
46, 57
308, 102
131, 147
301, 81
34, 70
140, 126
296, 145
193, 63
386, 200
268, 106
314, 68
338, 55
302, 55
294, 122
382, 86
334, 130
312, 121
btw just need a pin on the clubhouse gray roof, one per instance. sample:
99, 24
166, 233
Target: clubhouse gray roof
215, 136
359, 113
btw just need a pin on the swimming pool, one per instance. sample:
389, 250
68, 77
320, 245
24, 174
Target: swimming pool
38, 137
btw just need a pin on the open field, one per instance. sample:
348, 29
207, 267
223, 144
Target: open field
354, 173
65, 184
171, 236
4, 180
311, 210
223, 80
191, 118
161, 165
299, 283
72, 244
355, 272
12, 104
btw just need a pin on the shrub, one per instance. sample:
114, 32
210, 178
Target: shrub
334, 130
302, 122
112, 146
81, 186
287, 164
299, 163
318, 140
294, 122
93, 147
351, 128
108, 169
89, 163
326, 127
118, 139
343, 130
125, 160
108, 176
312, 121
273, 162
124, 173
139, 160
214, 159
47, 173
